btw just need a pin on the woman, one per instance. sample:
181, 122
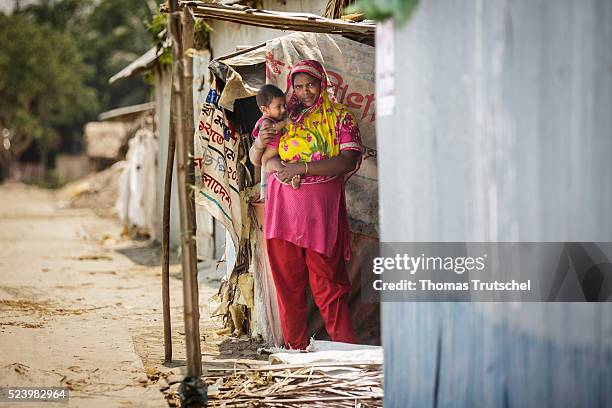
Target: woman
307, 233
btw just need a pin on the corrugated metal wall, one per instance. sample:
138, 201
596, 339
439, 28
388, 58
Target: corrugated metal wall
502, 131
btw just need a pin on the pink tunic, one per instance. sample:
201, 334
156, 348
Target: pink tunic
311, 216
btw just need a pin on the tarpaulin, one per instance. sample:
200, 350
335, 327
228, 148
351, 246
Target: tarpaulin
136, 202
216, 163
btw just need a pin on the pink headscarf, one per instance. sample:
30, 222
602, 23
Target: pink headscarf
314, 69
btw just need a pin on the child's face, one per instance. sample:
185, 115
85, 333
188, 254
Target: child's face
276, 108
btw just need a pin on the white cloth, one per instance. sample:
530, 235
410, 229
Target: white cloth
320, 351
137, 201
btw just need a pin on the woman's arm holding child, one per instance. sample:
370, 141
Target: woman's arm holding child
258, 155
258, 148
344, 163
271, 160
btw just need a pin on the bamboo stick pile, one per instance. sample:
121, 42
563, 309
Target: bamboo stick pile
293, 385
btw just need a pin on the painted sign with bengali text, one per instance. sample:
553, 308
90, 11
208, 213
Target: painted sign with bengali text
215, 158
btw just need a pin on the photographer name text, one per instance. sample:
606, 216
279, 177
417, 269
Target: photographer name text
474, 285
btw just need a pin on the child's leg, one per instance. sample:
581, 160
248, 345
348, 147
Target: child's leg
295, 182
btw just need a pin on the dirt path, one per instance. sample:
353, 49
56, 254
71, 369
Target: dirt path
80, 307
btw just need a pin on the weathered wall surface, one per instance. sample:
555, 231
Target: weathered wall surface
501, 132
226, 36
163, 88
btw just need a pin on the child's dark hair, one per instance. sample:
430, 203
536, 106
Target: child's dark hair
267, 93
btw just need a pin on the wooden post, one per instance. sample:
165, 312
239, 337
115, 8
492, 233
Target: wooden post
188, 132
189, 126
166, 247
183, 141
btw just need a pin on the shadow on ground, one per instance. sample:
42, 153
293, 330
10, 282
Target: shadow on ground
240, 349
147, 254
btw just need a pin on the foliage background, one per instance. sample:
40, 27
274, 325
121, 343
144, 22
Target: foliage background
55, 62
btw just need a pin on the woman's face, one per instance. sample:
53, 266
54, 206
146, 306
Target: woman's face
307, 89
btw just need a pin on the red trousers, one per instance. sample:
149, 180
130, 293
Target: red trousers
292, 268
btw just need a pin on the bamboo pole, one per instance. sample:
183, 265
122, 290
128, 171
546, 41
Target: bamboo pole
188, 261
188, 40
187, 37
166, 246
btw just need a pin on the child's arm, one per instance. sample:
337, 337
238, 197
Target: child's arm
278, 126
272, 152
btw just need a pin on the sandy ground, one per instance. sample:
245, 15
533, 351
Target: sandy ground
81, 307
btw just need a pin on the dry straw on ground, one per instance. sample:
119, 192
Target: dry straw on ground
295, 385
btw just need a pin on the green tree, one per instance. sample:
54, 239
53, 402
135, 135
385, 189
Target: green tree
67, 16
115, 35
109, 34
55, 64
42, 86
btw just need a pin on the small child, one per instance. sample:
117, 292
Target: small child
271, 102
